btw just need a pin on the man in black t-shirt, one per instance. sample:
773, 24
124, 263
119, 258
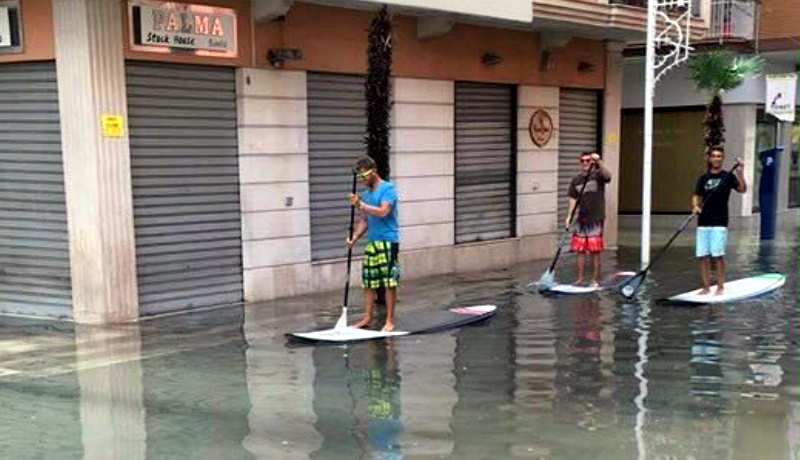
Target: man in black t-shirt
588, 235
710, 201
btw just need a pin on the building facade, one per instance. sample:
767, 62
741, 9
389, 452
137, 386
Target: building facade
770, 29
167, 156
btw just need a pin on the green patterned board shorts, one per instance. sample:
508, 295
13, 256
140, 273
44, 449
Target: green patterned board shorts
381, 267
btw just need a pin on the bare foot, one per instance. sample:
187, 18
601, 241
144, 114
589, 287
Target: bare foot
578, 282
594, 284
704, 291
388, 327
362, 324
719, 291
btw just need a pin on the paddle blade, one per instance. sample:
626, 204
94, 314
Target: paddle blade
617, 279
631, 287
341, 323
545, 283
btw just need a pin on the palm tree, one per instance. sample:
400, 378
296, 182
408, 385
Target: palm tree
717, 72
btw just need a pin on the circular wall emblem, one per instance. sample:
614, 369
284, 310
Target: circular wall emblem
540, 128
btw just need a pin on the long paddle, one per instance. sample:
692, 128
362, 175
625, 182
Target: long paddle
547, 279
342, 322
631, 287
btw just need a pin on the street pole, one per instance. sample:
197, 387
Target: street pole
647, 160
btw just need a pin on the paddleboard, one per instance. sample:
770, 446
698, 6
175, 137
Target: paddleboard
741, 289
574, 289
609, 283
405, 324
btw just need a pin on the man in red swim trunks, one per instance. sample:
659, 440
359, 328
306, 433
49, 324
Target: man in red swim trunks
587, 238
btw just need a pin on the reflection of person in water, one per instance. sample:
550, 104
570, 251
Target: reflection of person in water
706, 370
579, 378
384, 426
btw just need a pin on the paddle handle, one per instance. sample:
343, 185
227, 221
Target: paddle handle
350, 249
572, 216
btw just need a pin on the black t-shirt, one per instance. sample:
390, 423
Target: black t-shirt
592, 207
715, 209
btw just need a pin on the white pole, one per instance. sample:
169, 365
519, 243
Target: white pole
647, 163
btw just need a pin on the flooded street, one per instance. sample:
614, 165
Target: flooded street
581, 377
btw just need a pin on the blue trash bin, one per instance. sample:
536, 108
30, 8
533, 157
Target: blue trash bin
768, 191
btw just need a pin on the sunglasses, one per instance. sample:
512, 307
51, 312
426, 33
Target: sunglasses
586, 161
363, 175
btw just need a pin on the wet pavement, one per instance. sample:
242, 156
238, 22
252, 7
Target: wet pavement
581, 377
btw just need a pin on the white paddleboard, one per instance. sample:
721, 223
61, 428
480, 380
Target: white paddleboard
573, 289
410, 323
614, 280
346, 334
742, 289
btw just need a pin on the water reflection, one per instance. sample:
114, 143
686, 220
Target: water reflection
428, 394
280, 386
109, 369
357, 401
548, 377
579, 378
381, 377
642, 355
484, 369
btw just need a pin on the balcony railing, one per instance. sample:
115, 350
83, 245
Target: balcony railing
733, 19
696, 5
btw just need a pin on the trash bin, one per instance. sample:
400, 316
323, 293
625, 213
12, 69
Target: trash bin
768, 191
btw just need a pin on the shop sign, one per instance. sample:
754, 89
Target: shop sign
540, 127
169, 25
781, 96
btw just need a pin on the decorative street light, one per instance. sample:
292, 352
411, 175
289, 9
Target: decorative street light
668, 27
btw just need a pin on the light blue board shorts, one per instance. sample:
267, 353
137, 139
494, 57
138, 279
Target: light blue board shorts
711, 241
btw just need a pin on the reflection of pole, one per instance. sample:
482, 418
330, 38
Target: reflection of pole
649, 91
643, 328
794, 430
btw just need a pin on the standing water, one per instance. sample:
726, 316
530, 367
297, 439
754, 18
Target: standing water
580, 377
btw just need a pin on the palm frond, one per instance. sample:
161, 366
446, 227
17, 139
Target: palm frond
720, 71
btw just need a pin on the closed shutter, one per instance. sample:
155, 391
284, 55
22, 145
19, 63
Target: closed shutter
337, 123
485, 180
34, 244
578, 132
184, 166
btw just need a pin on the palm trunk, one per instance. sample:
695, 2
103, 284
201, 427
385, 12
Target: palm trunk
378, 90
713, 123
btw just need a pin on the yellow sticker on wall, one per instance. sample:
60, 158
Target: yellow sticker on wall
113, 126
612, 137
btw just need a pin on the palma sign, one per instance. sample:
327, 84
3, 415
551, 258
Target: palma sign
191, 27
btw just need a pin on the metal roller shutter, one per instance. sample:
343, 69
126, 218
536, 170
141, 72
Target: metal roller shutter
485, 179
34, 243
337, 123
185, 172
578, 132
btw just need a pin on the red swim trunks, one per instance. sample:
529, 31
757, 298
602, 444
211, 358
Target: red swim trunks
588, 237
